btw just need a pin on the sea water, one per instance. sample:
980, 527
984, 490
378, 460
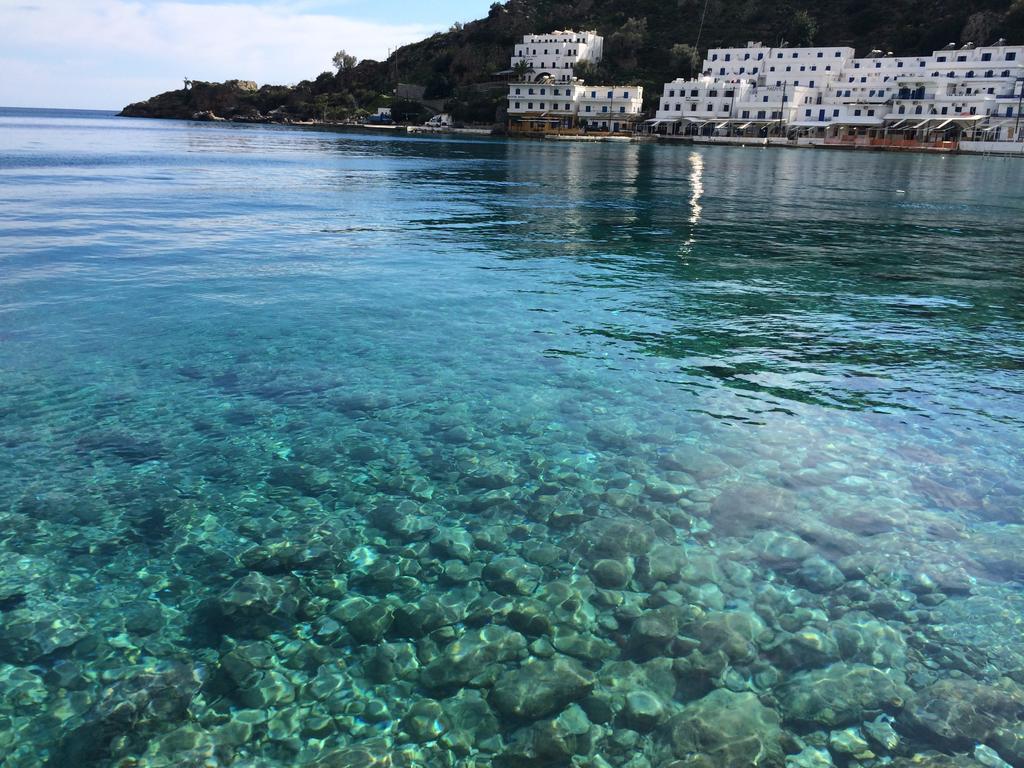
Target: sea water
337, 449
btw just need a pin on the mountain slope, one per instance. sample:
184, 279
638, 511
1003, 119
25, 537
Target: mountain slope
640, 37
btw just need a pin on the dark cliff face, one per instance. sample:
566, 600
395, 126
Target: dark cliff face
639, 39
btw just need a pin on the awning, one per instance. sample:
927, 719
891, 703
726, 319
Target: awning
898, 123
742, 127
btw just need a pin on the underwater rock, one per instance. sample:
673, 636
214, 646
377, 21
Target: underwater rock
725, 730
961, 712
369, 625
307, 479
540, 687
806, 648
643, 711
881, 732
454, 543
472, 721
371, 753
989, 757
611, 574
841, 694
850, 741
28, 634
424, 721
551, 742
819, 575
664, 562
392, 661
129, 448
810, 757
471, 659
652, 632
256, 602
615, 539
733, 632
512, 576
702, 464
780, 549
406, 520
136, 706
863, 638
745, 507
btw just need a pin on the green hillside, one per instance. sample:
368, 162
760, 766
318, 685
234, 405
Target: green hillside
646, 41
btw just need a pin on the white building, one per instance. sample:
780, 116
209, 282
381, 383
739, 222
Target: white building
552, 98
554, 56
828, 93
614, 108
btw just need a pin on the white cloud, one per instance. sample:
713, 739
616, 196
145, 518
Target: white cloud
106, 53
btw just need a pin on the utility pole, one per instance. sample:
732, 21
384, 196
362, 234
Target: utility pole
782, 111
1020, 101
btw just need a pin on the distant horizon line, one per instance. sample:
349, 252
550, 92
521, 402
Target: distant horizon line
58, 109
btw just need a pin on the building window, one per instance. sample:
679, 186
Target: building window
671, 94
940, 58
566, 107
587, 108
679, 107
542, 105
745, 114
517, 105
518, 91
765, 99
821, 54
693, 107
986, 57
835, 113
1011, 56
604, 109
625, 94
530, 105
694, 92
760, 114
622, 110
961, 58
713, 94
807, 112
665, 107
543, 91
856, 113
611, 95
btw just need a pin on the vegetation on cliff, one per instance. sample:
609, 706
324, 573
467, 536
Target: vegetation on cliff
647, 42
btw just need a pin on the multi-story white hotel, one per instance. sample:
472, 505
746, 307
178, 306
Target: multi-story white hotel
830, 94
556, 55
551, 98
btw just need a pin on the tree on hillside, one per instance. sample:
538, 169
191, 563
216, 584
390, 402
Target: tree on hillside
802, 29
622, 47
686, 60
344, 61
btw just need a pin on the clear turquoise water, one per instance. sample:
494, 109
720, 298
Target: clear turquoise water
305, 358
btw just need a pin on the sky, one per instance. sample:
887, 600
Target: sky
104, 54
